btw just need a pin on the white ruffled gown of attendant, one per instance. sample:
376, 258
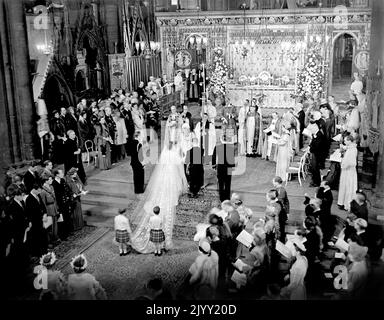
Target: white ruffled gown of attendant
348, 177
166, 185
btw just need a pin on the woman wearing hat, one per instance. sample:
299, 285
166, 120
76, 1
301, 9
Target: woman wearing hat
245, 213
296, 289
56, 283
357, 273
352, 118
257, 260
82, 285
103, 142
204, 272
284, 151
58, 130
77, 189
48, 198
219, 245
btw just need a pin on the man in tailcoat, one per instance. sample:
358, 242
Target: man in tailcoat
38, 237
137, 164
223, 160
318, 148
194, 161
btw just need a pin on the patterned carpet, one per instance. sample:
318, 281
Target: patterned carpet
77, 243
124, 278
190, 212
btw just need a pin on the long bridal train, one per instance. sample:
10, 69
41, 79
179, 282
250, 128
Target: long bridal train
166, 185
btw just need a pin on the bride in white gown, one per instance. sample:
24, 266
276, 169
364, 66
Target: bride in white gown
165, 186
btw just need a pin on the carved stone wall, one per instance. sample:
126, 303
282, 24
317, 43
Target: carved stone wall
224, 28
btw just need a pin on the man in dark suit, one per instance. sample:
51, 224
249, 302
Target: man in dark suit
38, 237
137, 165
315, 211
19, 224
112, 129
300, 115
281, 193
30, 178
141, 90
223, 159
328, 221
73, 155
317, 148
325, 194
71, 121
194, 161
63, 200
58, 131
130, 125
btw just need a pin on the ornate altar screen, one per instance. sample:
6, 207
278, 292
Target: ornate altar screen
262, 65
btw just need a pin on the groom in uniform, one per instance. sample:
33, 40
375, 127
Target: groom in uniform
137, 165
194, 161
223, 159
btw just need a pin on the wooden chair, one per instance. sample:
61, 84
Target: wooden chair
91, 152
300, 168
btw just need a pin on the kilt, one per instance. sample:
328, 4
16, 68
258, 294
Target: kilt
157, 236
122, 236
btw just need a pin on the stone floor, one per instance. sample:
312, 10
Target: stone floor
340, 89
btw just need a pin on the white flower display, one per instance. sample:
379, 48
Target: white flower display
311, 78
219, 72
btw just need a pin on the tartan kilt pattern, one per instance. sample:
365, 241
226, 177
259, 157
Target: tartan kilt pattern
157, 236
122, 236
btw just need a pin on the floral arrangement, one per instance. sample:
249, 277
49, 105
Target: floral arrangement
48, 259
310, 79
79, 257
219, 72
173, 120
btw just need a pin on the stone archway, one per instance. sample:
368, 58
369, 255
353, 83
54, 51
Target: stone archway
56, 93
343, 50
96, 71
199, 46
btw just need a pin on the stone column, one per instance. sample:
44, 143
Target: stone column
10, 124
376, 83
22, 80
17, 110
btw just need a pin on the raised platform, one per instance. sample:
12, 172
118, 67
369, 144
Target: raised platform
277, 97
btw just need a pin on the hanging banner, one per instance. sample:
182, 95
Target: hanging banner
117, 69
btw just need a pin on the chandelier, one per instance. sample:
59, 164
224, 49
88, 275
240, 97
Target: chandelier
243, 48
293, 49
149, 49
